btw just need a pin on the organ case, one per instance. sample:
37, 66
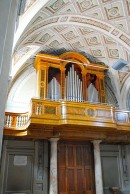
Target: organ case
70, 77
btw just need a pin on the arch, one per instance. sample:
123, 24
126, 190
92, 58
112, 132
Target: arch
30, 13
22, 77
18, 100
74, 57
124, 93
82, 21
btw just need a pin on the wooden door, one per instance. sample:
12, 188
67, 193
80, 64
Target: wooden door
75, 168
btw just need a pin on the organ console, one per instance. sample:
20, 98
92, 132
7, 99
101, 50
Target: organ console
70, 77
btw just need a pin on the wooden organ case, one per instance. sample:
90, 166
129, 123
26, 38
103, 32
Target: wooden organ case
70, 77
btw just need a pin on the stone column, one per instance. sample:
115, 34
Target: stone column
53, 187
98, 169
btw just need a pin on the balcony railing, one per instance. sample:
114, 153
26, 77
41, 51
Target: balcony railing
46, 112
77, 113
16, 120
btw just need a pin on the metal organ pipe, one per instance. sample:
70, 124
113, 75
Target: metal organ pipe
75, 81
79, 90
81, 98
70, 78
54, 89
66, 88
73, 89
73, 86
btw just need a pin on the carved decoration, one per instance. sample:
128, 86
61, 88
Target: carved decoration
86, 4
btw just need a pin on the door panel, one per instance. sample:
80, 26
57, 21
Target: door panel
110, 170
17, 166
18, 175
75, 168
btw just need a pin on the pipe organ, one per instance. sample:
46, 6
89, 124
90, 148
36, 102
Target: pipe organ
70, 77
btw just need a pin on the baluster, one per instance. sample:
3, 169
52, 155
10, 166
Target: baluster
22, 124
24, 120
37, 109
17, 121
6, 120
13, 121
40, 109
21, 121
10, 121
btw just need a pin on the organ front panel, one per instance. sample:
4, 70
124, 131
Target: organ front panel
72, 78
102, 89
42, 84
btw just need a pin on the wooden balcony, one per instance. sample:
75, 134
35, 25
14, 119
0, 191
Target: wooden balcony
16, 124
70, 120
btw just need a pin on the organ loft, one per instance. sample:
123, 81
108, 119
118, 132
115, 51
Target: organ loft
70, 101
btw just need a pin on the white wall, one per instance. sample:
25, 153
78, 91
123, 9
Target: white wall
21, 93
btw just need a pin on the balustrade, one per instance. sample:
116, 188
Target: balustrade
76, 113
81, 111
16, 120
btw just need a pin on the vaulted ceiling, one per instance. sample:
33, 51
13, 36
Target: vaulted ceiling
98, 29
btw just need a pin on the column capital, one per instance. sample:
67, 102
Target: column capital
54, 139
95, 142
62, 68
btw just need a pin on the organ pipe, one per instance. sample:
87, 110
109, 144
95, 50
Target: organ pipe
74, 89
54, 89
73, 86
